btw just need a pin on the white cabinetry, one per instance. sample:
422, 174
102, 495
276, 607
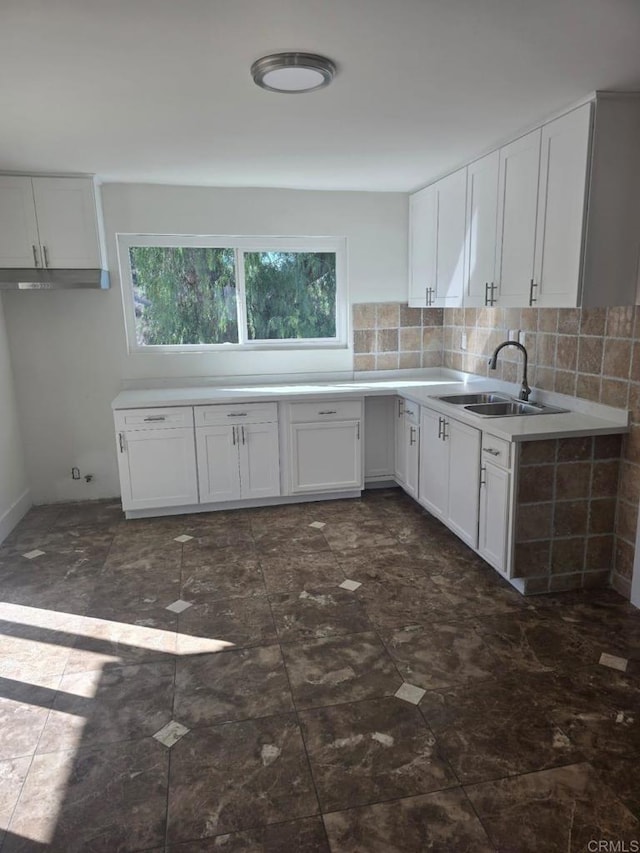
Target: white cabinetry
482, 213
495, 502
49, 223
238, 451
325, 446
407, 444
156, 458
517, 212
379, 416
437, 243
450, 473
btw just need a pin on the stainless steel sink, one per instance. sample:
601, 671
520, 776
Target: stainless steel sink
511, 408
480, 397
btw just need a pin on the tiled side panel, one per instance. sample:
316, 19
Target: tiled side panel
566, 512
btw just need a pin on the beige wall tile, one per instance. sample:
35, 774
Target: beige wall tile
590, 352
566, 352
614, 392
410, 360
364, 362
387, 315
410, 316
568, 321
411, 339
593, 321
548, 320
387, 361
387, 340
364, 340
617, 358
364, 315
588, 387
620, 321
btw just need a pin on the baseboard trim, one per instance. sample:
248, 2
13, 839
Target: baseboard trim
14, 514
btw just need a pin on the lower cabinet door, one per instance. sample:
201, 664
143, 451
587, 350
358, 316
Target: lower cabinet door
412, 447
218, 463
494, 516
157, 468
464, 480
326, 457
400, 461
434, 465
259, 460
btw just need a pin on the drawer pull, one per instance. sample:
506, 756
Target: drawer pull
409, 412
233, 433
328, 412
412, 435
36, 262
237, 414
121, 441
156, 418
483, 476
492, 451
242, 428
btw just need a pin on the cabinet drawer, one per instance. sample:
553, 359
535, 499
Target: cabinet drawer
245, 413
178, 416
411, 411
329, 410
496, 450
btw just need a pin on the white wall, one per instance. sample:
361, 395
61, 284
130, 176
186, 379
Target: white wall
69, 348
14, 493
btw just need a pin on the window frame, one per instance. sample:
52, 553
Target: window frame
240, 245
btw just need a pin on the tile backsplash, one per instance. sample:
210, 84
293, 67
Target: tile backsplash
590, 353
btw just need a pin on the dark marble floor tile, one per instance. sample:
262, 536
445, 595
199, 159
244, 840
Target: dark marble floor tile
12, 775
611, 627
287, 515
32, 654
65, 551
113, 704
386, 565
441, 654
239, 775
107, 800
295, 572
136, 553
365, 752
339, 669
299, 538
559, 810
204, 547
89, 513
236, 685
38, 520
354, 510
489, 729
483, 594
48, 589
342, 535
24, 709
234, 574
442, 822
240, 622
620, 774
102, 642
298, 836
139, 598
531, 641
394, 603
315, 613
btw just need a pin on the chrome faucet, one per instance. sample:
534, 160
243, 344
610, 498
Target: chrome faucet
493, 363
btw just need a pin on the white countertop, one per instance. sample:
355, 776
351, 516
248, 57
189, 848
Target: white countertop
585, 418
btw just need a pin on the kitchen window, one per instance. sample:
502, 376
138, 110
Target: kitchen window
192, 293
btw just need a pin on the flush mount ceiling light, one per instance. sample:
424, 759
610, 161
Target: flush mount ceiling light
293, 72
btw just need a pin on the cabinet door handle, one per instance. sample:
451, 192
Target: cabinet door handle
328, 412
400, 411
486, 293
237, 414
121, 441
412, 436
233, 435
242, 428
36, 260
532, 298
492, 451
440, 420
358, 430
483, 474
492, 288
45, 254
445, 424
156, 418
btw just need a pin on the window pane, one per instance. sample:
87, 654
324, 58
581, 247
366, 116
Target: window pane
290, 295
184, 295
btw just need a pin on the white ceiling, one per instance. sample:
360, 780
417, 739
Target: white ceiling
159, 90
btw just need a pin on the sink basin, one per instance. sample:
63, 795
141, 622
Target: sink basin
480, 397
510, 408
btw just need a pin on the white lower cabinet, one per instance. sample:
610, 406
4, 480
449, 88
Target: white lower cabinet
495, 503
450, 473
156, 459
238, 459
407, 442
325, 446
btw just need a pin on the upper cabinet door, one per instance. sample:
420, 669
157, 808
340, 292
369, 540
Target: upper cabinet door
19, 244
482, 213
451, 199
67, 224
517, 214
422, 247
561, 207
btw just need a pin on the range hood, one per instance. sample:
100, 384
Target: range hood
46, 279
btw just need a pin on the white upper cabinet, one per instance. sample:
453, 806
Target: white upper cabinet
517, 213
437, 243
482, 213
562, 193
49, 223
